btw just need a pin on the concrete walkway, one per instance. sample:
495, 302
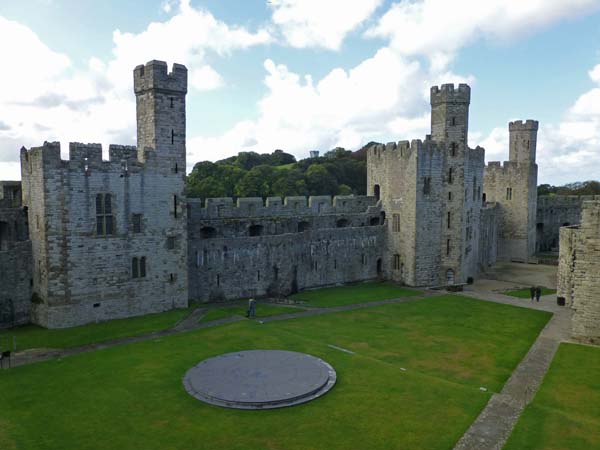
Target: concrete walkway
495, 423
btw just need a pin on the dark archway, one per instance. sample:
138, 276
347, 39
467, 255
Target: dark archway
342, 223
255, 230
208, 232
377, 192
379, 268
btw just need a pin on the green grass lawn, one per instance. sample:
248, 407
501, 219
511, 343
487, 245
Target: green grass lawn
131, 396
355, 293
33, 336
262, 310
525, 292
565, 413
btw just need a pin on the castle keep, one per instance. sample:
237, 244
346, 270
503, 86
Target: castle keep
96, 240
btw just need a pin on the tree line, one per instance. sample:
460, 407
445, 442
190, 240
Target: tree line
590, 187
279, 174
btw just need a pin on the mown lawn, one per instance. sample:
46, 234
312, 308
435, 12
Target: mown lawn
526, 293
131, 396
355, 293
565, 413
262, 310
33, 336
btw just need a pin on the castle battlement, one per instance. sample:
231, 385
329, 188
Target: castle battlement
154, 75
447, 93
402, 149
520, 125
86, 157
226, 207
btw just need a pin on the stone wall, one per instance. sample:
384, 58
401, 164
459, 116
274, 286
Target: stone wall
15, 257
431, 190
97, 259
554, 212
256, 249
579, 266
513, 185
488, 235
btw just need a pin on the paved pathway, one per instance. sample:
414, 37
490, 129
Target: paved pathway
497, 420
192, 323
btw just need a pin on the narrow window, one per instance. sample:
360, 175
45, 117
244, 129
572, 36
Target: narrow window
104, 217
448, 247
377, 192
172, 136
143, 266
449, 219
175, 206
218, 280
453, 121
396, 262
172, 277
450, 196
197, 258
137, 223
134, 268
170, 242
176, 169
363, 259
453, 149
474, 189
450, 175
335, 263
275, 272
426, 185
258, 275
396, 223
171, 101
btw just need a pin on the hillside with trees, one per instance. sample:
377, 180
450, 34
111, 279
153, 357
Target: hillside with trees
279, 174
578, 188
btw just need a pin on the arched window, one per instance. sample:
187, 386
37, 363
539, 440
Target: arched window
104, 215
374, 221
377, 192
303, 226
255, 230
342, 223
135, 268
208, 232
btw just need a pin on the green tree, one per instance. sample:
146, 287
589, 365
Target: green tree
320, 181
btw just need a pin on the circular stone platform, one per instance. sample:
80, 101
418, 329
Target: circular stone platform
259, 379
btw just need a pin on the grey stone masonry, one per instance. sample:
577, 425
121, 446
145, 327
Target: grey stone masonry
256, 249
110, 237
431, 193
15, 257
579, 273
554, 212
513, 185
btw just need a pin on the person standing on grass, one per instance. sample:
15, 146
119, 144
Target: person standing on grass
538, 293
532, 292
251, 308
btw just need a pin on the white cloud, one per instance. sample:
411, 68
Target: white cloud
318, 23
441, 27
50, 99
567, 151
205, 78
385, 97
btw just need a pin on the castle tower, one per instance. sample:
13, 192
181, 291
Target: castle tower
514, 186
523, 141
450, 113
109, 237
160, 106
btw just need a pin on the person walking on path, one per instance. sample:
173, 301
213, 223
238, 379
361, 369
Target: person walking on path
251, 308
538, 293
532, 292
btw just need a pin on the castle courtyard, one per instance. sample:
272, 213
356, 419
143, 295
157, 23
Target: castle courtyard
415, 369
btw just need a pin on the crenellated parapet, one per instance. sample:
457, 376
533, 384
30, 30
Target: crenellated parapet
154, 75
88, 157
520, 125
227, 207
447, 93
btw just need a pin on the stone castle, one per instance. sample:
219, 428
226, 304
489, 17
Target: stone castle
84, 240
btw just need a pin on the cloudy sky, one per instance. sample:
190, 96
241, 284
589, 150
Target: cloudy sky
305, 75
